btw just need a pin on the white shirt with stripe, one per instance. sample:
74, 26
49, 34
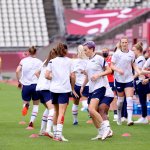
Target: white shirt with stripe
124, 61
96, 65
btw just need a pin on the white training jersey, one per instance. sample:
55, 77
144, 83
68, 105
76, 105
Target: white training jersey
109, 92
29, 66
79, 65
123, 61
147, 64
61, 68
43, 83
140, 61
96, 65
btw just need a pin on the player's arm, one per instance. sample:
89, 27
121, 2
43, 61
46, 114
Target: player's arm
48, 75
137, 69
37, 73
114, 68
73, 80
18, 71
84, 84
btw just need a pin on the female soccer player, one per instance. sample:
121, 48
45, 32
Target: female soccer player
122, 62
43, 89
26, 77
103, 109
96, 71
140, 85
59, 71
107, 57
78, 66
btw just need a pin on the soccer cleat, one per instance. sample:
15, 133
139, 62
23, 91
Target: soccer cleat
98, 137
60, 139
119, 121
106, 132
130, 123
25, 109
84, 109
64, 139
30, 126
49, 134
141, 121
75, 123
123, 119
41, 133
110, 134
115, 117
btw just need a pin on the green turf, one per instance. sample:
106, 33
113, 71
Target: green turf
14, 136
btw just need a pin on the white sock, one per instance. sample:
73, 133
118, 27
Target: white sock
50, 120
75, 112
84, 104
34, 113
55, 129
44, 120
119, 106
129, 108
59, 130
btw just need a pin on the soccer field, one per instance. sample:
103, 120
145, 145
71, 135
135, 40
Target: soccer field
15, 137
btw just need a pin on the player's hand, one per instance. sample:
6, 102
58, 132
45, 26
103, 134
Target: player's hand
19, 85
75, 94
120, 71
95, 77
145, 81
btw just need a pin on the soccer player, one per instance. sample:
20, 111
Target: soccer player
122, 62
103, 110
79, 65
43, 90
96, 71
107, 57
59, 71
26, 77
140, 85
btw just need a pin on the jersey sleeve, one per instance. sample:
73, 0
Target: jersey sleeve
141, 63
147, 64
49, 66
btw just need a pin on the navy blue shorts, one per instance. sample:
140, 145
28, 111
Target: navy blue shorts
60, 98
111, 84
98, 94
85, 92
106, 100
45, 96
29, 92
121, 86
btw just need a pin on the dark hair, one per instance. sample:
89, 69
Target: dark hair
32, 50
52, 54
62, 49
139, 46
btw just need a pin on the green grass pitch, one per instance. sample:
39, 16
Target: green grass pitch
15, 137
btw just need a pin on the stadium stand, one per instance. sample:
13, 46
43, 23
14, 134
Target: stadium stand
22, 23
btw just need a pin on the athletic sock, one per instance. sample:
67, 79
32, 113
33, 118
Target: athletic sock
44, 120
119, 106
59, 130
75, 112
50, 120
54, 130
34, 113
129, 108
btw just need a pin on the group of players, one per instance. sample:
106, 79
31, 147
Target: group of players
85, 77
